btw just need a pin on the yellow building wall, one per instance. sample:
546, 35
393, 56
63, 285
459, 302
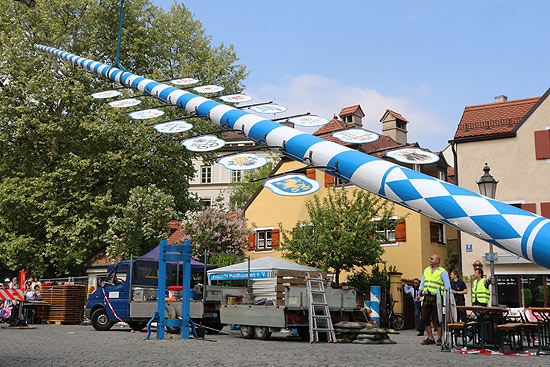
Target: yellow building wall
409, 257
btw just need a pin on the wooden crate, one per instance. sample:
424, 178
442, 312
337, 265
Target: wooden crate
66, 302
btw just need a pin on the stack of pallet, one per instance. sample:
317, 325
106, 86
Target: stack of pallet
274, 288
66, 303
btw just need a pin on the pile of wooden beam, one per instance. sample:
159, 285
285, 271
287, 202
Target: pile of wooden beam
363, 333
66, 303
274, 288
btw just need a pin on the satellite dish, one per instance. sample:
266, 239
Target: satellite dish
204, 143
269, 108
173, 127
128, 102
309, 121
243, 162
358, 136
207, 89
236, 98
413, 156
146, 114
184, 81
106, 94
292, 185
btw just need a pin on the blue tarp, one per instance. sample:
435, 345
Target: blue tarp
196, 266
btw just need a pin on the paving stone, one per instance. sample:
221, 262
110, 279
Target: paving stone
81, 345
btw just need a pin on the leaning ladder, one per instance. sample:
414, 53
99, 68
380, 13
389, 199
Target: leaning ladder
319, 313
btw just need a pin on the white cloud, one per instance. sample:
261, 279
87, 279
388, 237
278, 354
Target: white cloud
325, 97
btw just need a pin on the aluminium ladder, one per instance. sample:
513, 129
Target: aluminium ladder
319, 313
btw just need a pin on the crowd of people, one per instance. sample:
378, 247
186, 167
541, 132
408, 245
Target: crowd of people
32, 292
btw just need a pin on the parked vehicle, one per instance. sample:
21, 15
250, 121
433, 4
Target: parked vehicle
129, 294
259, 319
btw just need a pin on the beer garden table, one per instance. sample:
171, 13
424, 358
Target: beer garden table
484, 330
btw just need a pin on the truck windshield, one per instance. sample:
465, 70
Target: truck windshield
118, 275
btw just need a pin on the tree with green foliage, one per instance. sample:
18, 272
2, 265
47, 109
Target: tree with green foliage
216, 230
344, 231
142, 224
241, 192
68, 162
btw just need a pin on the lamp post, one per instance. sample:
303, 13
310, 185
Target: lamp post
488, 187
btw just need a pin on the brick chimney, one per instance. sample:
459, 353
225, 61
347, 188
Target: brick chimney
353, 115
395, 126
501, 98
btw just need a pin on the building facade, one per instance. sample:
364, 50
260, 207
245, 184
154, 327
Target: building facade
409, 246
513, 138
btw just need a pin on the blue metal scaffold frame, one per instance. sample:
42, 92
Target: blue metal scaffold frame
183, 254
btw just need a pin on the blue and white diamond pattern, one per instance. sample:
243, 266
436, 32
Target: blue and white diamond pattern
510, 228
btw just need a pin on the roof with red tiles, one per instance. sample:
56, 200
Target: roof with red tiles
493, 118
396, 115
351, 110
325, 132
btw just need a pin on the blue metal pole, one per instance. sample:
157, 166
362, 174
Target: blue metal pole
510, 228
186, 291
161, 301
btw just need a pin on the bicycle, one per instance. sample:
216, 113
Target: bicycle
395, 321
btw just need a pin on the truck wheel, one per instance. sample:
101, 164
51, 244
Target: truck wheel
262, 332
100, 320
137, 325
247, 331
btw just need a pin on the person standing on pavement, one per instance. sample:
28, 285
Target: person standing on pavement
434, 281
480, 289
414, 291
459, 289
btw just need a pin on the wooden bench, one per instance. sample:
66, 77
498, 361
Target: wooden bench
511, 332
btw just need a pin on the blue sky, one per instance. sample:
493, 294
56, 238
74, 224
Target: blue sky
424, 59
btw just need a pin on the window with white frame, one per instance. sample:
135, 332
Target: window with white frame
236, 176
206, 174
437, 233
387, 231
206, 202
263, 239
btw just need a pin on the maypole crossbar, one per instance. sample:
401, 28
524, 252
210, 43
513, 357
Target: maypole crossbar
510, 228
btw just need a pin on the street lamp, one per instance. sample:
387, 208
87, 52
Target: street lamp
488, 187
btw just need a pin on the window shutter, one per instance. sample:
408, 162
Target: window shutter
310, 173
532, 208
434, 232
275, 238
252, 242
542, 144
329, 180
401, 231
545, 210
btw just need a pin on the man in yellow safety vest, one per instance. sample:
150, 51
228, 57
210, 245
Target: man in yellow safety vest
434, 280
480, 289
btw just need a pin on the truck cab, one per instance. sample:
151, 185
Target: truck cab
129, 294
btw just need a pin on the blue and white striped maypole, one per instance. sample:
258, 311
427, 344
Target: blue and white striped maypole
510, 228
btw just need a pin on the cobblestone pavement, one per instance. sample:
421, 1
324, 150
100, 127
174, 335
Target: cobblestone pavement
81, 345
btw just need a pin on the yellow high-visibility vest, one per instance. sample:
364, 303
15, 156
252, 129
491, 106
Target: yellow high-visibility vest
432, 281
479, 292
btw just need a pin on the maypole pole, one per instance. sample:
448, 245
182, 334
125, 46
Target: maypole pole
518, 231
